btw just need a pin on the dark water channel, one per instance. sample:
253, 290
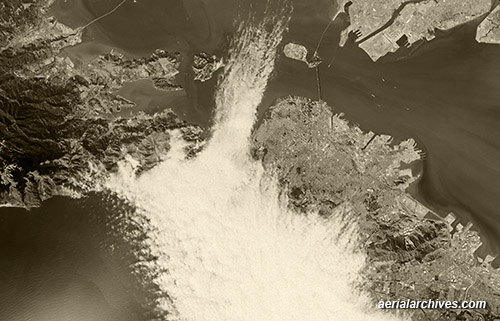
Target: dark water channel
445, 94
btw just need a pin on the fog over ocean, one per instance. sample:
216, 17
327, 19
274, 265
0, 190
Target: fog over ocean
444, 93
230, 248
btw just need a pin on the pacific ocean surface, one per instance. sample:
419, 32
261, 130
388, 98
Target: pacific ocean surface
445, 94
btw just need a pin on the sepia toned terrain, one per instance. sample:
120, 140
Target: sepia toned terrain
383, 27
62, 134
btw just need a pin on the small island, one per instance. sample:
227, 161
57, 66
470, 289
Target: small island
60, 135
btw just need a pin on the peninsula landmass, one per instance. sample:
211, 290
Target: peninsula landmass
324, 163
61, 136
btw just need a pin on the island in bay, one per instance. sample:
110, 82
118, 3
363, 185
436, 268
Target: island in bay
62, 133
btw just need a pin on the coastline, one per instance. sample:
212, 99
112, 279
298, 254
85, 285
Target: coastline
382, 29
406, 243
76, 139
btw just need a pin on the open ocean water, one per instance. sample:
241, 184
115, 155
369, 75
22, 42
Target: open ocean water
445, 94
